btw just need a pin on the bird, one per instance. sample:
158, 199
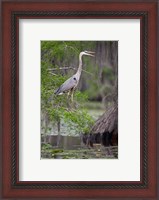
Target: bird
71, 84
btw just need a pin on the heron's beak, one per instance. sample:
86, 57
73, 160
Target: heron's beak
90, 53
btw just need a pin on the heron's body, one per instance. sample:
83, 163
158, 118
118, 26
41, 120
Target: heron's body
71, 84
68, 85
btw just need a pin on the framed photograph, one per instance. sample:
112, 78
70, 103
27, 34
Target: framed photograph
79, 107
79, 99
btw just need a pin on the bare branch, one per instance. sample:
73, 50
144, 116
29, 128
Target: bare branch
52, 73
62, 68
87, 72
66, 68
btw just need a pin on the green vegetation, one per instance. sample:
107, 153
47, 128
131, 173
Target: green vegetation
63, 121
59, 61
82, 153
54, 56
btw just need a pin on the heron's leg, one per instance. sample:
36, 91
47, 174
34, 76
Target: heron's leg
68, 94
69, 98
72, 102
72, 96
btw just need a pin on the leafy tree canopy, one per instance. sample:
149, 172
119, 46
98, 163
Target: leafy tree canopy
54, 56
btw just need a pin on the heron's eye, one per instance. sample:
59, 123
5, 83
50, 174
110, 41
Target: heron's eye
74, 78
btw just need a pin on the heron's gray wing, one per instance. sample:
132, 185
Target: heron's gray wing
66, 86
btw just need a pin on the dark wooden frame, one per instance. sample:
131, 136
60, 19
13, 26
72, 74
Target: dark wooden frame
12, 11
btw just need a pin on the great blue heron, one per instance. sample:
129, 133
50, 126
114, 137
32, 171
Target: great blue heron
70, 84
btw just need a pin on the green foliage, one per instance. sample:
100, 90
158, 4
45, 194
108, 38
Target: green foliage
57, 151
53, 56
78, 119
46, 146
108, 72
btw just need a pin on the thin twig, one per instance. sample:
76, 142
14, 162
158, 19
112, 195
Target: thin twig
62, 68
52, 73
65, 68
87, 72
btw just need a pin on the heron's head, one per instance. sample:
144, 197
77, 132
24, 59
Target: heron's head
87, 53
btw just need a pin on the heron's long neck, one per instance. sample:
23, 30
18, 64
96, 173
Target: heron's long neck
80, 66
